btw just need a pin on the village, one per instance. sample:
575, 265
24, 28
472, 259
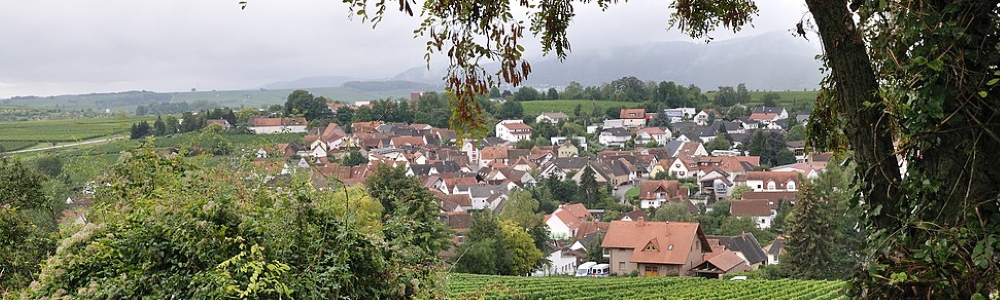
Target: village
660, 165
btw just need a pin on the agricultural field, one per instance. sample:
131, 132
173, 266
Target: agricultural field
25, 134
465, 286
534, 108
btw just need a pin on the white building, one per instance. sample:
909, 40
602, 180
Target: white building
680, 114
513, 130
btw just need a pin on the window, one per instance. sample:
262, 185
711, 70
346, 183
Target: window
650, 247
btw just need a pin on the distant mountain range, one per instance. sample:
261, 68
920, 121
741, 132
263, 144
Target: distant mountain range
770, 61
309, 82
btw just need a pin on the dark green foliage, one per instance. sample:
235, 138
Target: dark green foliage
719, 143
510, 110
139, 130
824, 241
159, 128
770, 99
499, 247
26, 224
629, 88
50, 165
354, 158
345, 115
595, 252
589, 189
811, 240
769, 145
406, 200
527, 93
167, 229
302, 103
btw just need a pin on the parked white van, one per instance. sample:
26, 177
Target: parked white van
600, 270
584, 269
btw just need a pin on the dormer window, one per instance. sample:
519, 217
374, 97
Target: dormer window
651, 247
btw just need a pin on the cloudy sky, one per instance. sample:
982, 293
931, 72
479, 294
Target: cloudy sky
53, 47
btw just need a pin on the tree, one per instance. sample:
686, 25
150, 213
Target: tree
577, 110
520, 208
595, 252
236, 239
159, 128
770, 99
738, 191
811, 239
742, 94
496, 246
170, 125
733, 225
720, 142
50, 165
354, 158
770, 146
527, 93
27, 224
243, 116
726, 96
552, 94
510, 110
574, 90
673, 212
301, 102
589, 189
521, 248
914, 74
797, 133
139, 130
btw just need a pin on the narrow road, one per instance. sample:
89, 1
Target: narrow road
104, 140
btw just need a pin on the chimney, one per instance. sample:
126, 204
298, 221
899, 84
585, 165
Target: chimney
641, 222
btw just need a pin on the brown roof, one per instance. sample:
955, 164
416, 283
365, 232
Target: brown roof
494, 152
410, 140
779, 178
762, 116
673, 241
513, 126
750, 208
577, 210
264, 122
590, 227
653, 130
727, 261
460, 221
632, 113
688, 149
649, 188
774, 198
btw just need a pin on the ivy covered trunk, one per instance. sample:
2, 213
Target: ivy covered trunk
933, 234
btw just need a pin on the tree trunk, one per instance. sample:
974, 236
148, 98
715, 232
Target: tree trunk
868, 128
955, 169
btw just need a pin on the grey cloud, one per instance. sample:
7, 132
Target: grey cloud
54, 47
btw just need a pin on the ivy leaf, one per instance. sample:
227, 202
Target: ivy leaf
993, 82
936, 65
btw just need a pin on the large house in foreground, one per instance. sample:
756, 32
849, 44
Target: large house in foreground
655, 248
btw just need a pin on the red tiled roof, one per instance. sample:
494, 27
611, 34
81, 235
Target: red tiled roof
750, 208
632, 113
673, 241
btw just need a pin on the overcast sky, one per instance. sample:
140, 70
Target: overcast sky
53, 47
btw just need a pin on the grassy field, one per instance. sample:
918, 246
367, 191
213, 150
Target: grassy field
126, 102
464, 286
788, 98
538, 107
25, 134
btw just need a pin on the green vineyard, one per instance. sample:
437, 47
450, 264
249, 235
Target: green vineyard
464, 286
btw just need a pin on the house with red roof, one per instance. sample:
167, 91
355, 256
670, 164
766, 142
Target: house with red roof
655, 248
566, 220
